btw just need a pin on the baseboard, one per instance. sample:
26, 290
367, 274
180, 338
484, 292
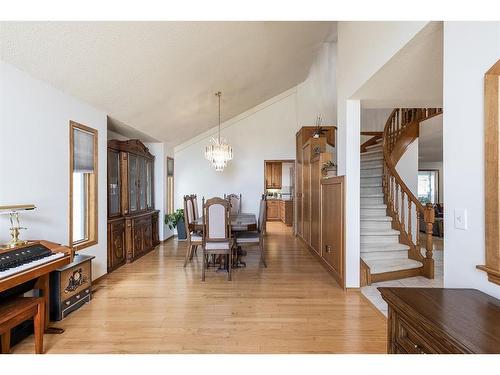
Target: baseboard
168, 238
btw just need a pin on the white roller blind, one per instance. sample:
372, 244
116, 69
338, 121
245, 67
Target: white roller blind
83, 151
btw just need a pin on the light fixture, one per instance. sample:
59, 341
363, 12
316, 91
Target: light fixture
219, 152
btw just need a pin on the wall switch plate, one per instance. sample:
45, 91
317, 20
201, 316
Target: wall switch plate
460, 218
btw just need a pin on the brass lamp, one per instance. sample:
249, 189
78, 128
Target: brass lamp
15, 227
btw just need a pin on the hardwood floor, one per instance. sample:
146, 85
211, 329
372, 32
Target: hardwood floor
154, 305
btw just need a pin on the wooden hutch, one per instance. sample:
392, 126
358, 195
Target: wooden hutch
132, 218
319, 201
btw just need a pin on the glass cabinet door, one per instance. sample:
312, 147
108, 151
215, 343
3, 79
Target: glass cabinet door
142, 183
132, 182
113, 183
149, 187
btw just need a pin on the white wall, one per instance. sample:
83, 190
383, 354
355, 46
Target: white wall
362, 49
161, 151
34, 159
470, 49
317, 95
374, 119
264, 132
439, 166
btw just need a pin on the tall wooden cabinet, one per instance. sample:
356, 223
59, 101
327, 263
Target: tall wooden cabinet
319, 213
132, 219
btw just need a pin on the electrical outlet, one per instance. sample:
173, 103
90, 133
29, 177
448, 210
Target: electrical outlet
460, 218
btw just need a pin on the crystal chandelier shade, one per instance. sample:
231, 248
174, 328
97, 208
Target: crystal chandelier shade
219, 152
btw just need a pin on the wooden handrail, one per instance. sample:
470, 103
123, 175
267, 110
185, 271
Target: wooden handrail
400, 130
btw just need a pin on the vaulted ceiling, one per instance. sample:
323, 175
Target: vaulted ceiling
160, 77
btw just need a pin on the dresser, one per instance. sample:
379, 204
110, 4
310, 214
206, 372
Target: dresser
441, 321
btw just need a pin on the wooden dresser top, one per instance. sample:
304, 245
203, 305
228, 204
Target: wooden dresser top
465, 315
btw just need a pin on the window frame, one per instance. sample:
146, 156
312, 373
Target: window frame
436, 183
91, 199
170, 206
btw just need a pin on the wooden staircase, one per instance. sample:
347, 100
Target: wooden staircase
390, 212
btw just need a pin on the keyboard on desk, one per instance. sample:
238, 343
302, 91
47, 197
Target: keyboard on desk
23, 259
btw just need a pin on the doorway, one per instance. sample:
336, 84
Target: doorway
279, 182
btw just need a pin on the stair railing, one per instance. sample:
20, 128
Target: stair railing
400, 130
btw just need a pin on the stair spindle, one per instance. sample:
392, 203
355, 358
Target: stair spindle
402, 210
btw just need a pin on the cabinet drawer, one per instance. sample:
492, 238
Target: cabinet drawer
411, 341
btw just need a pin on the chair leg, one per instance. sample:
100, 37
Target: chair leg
39, 323
188, 250
262, 257
191, 252
203, 267
6, 342
229, 265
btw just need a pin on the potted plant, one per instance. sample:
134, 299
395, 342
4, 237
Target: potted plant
176, 220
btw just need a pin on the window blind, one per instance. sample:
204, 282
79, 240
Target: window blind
170, 167
83, 151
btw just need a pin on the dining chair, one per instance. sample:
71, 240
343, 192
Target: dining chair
235, 201
194, 199
217, 238
257, 237
194, 239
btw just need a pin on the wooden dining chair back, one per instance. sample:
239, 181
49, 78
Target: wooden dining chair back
261, 224
235, 201
194, 239
194, 201
217, 231
256, 237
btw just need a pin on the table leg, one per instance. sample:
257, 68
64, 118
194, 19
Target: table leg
43, 285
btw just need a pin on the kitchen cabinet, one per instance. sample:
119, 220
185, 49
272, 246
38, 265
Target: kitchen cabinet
286, 212
273, 175
273, 209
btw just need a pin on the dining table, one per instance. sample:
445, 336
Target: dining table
241, 222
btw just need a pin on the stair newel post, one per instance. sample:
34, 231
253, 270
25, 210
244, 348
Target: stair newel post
429, 223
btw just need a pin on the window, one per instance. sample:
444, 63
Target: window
428, 186
83, 186
170, 185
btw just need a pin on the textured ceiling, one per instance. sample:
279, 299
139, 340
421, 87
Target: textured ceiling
160, 77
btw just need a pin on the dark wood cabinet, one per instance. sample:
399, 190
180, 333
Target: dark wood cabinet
273, 175
116, 243
133, 225
444, 321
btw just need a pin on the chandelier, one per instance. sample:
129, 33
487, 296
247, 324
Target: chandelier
219, 152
